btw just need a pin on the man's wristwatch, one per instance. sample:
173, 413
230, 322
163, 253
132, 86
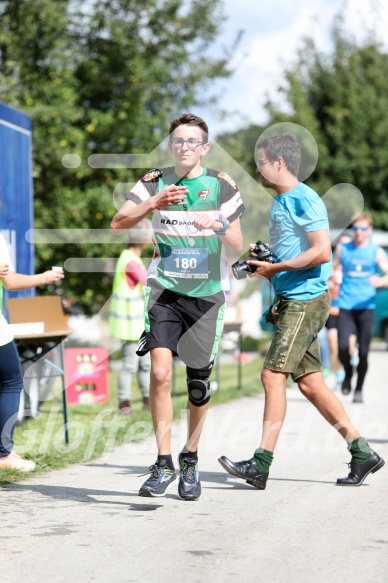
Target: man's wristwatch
225, 225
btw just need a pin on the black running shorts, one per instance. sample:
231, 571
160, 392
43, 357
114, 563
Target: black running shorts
190, 327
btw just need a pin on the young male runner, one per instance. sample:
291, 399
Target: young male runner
196, 216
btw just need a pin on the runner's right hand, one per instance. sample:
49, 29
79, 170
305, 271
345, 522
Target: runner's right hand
170, 196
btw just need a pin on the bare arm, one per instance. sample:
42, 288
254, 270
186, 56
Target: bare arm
131, 213
232, 239
337, 263
318, 253
382, 262
18, 282
4, 268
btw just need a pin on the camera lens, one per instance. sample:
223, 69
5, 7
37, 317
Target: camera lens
241, 270
262, 253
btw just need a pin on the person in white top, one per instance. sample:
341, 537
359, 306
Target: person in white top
11, 379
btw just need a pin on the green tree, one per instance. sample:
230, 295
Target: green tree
100, 77
341, 97
241, 145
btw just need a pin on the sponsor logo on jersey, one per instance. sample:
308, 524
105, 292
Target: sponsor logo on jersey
152, 174
228, 178
204, 193
175, 222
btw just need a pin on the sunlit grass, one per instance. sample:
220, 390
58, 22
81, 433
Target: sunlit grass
96, 429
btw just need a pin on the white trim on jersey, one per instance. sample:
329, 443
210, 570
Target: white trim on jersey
229, 207
140, 190
176, 223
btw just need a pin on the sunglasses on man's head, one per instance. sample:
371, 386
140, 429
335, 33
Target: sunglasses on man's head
356, 228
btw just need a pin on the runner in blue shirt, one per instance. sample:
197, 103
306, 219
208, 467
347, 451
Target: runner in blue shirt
359, 260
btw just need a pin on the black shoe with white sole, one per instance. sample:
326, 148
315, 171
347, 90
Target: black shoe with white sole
246, 470
358, 472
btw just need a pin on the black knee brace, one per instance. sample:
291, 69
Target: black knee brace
198, 385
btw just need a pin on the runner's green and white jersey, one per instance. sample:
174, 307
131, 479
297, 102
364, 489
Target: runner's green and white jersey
188, 261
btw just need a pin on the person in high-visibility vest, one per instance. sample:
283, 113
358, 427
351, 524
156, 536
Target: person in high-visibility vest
126, 317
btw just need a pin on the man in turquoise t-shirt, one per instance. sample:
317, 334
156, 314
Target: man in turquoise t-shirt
299, 237
195, 218
358, 260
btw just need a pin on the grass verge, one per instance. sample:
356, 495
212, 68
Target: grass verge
96, 429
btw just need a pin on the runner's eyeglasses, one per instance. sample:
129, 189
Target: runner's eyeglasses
178, 143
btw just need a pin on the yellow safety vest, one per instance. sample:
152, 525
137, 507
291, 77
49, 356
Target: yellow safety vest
126, 316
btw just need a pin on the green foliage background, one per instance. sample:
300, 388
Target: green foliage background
107, 76
341, 98
100, 77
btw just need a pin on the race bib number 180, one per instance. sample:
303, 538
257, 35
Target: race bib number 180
186, 263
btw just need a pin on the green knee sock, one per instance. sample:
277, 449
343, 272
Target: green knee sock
360, 450
263, 459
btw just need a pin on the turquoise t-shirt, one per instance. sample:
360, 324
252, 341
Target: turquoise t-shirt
294, 214
358, 265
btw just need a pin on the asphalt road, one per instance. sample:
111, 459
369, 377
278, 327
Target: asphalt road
86, 522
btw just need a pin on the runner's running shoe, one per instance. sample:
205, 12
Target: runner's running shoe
162, 478
189, 487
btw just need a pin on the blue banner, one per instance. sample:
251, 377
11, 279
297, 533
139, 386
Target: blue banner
16, 191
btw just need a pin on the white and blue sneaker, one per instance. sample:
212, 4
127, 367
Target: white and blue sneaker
189, 487
162, 478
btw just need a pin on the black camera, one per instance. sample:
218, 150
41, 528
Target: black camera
262, 252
